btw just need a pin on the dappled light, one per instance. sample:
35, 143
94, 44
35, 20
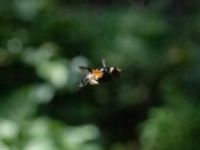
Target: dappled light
153, 104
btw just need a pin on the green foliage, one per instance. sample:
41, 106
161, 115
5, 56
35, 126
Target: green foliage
172, 127
43, 133
42, 44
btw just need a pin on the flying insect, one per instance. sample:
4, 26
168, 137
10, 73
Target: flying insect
98, 75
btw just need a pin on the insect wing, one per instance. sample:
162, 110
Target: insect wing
104, 62
84, 82
85, 70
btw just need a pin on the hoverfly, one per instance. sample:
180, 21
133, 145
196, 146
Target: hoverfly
98, 75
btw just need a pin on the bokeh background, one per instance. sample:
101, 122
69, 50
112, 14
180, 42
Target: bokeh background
154, 105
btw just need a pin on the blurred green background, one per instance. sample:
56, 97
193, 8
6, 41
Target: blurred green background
154, 105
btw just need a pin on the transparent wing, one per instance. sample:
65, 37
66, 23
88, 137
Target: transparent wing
104, 62
85, 70
84, 82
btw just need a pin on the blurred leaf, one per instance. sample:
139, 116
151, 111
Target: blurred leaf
172, 128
